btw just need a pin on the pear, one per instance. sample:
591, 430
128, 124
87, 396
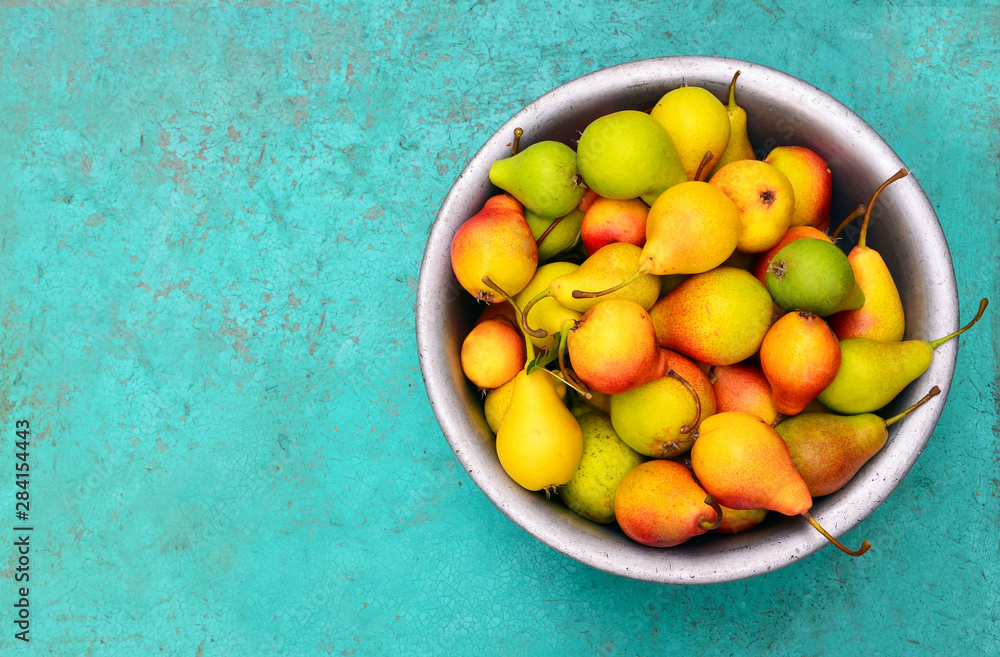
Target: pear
497, 400
547, 314
555, 237
610, 220
764, 197
544, 177
812, 181
743, 387
873, 372
493, 253
735, 521
739, 147
658, 503
828, 450
763, 260
814, 276
658, 418
539, 442
605, 462
607, 265
613, 346
718, 317
628, 154
492, 353
881, 317
698, 125
745, 464
800, 356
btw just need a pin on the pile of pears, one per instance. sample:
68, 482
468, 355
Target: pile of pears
671, 339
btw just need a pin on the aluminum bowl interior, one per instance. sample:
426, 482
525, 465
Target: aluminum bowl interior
782, 110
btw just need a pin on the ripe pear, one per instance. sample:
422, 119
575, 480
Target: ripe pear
658, 418
743, 387
718, 317
800, 356
613, 346
828, 450
605, 462
610, 220
547, 314
764, 197
497, 400
554, 237
544, 177
812, 181
658, 503
814, 276
628, 154
698, 125
763, 260
873, 372
492, 353
539, 442
745, 464
881, 317
739, 146
495, 243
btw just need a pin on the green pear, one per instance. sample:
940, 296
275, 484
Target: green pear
555, 236
626, 155
698, 125
605, 462
739, 146
814, 276
828, 449
873, 372
544, 177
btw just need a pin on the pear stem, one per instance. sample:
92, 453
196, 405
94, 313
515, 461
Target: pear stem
517, 141
902, 173
712, 377
688, 428
732, 94
778, 419
535, 333
541, 238
529, 347
940, 341
857, 212
643, 268
704, 163
709, 500
567, 374
854, 553
923, 400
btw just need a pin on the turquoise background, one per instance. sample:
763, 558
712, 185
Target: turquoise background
211, 223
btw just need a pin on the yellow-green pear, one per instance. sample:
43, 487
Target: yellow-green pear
739, 146
658, 418
544, 177
554, 237
605, 462
873, 372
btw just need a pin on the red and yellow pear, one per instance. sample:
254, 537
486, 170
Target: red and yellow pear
812, 181
800, 356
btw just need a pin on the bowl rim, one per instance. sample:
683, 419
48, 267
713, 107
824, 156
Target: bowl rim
693, 562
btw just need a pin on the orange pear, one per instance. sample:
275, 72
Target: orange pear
812, 181
493, 353
800, 356
613, 346
743, 387
717, 317
497, 245
658, 503
743, 463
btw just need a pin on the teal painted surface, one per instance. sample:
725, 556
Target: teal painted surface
211, 225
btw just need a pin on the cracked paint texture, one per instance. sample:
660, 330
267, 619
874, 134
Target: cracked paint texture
211, 224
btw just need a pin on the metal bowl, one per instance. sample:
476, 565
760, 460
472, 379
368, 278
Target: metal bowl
782, 110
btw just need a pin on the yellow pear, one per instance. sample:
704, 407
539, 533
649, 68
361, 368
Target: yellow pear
698, 124
539, 442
